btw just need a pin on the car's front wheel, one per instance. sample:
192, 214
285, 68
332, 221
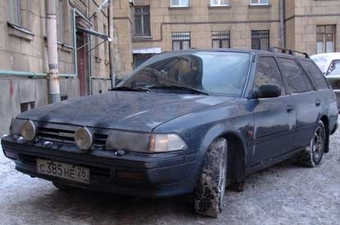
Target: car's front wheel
210, 188
312, 154
62, 187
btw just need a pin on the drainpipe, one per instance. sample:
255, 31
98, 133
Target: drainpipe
282, 25
111, 33
52, 51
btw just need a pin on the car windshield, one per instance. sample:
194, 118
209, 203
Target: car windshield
334, 68
199, 72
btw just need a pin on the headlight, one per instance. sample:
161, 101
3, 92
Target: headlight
144, 142
83, 138
16, 126
29, 130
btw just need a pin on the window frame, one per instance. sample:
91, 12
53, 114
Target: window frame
141, 16
258, 3
324, 37
180, 4
220, 36
260, 38
185, 38
15, 16
219, 4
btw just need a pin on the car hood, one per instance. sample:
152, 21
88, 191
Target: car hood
123, 110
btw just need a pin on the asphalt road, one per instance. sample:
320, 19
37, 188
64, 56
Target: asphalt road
283, 194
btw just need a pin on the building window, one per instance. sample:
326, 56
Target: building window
179, 3
260, 39
220, 39
15, 13
259, 2
180, 41
325, 36
142, 21
219, 2
61, 21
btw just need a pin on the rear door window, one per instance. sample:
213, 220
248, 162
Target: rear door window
296, 79
315, 74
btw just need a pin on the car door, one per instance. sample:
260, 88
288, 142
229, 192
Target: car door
274, 118
306, 99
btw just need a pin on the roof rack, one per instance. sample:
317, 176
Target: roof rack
288, 51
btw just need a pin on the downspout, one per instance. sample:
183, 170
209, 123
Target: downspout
52, 51
74, 41
282, 23
110, 44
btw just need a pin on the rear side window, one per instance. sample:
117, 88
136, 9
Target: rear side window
267, 72
296, 79
315, 74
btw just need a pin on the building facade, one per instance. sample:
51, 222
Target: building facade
304, 25
82, 53
141, 29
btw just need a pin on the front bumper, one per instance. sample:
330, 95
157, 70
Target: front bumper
161, 175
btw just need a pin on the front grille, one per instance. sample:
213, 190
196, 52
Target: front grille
67, 136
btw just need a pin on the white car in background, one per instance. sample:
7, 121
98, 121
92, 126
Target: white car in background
329, 64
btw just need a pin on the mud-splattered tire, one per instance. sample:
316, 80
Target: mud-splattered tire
210, 188
62, 187
313, 153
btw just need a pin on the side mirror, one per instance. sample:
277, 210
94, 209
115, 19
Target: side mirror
267, 91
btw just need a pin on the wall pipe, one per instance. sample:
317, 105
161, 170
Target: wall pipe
30, 74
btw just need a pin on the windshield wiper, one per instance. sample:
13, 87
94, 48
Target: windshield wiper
181, 88
137, 89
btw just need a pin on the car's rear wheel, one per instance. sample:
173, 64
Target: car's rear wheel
312, 154
210, 188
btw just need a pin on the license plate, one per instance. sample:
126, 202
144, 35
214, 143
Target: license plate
63, 170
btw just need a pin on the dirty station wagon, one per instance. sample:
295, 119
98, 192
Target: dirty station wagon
193, 121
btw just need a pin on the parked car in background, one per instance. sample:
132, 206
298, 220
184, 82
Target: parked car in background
329, 64
191, 121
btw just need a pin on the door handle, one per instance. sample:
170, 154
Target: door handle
289, 108
317, 103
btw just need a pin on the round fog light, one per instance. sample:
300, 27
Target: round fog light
83, 138
29, 130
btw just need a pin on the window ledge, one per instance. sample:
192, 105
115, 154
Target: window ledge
65, 47
179, 7
219, 7
141, 38
20, 32
259, 6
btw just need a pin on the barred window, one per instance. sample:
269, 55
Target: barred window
180, 40
220, 39
179, 3
259, 2
219, 2
260, 39
142, 21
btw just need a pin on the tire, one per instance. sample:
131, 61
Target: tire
210, 187
62, 187
313, 153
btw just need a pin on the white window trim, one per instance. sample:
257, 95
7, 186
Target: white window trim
218, 4
258, 2
179, 4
